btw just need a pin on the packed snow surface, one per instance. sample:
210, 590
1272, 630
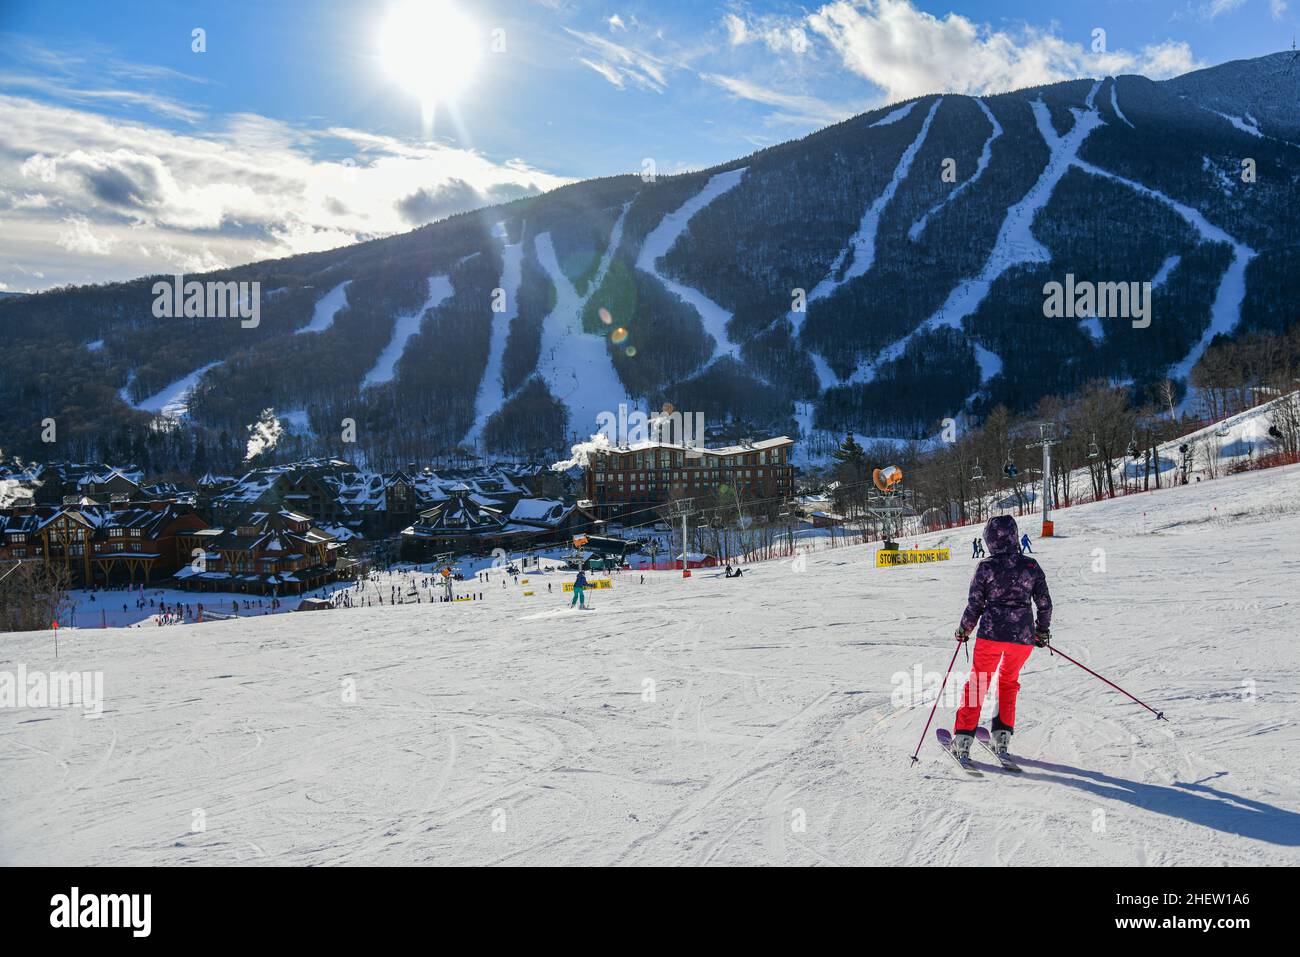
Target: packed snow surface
172, 402
664, 236
491, 393
404, 328
327, 307
981, 164
575, 364
766, 719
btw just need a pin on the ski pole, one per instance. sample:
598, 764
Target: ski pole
1160, 715
936, 702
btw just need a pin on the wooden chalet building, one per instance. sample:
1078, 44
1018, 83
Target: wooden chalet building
466, 524
619, 481
267, 553
120, 543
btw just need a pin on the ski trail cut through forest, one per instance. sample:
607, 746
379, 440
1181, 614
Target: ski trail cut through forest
1225, 314
327, 307
661, 240
491, 395
172, 401
1015, 244
576, 365
862, 246
981, 165
902, 113
406, 326
1114, 102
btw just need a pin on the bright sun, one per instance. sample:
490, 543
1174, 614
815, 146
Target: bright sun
430, 48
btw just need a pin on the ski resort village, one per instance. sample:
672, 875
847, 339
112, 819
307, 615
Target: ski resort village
864, 433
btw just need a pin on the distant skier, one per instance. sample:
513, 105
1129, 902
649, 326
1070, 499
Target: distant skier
977, 549
580, 591
1001, 592
1025, 547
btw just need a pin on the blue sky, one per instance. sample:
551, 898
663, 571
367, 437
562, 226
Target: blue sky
123, 151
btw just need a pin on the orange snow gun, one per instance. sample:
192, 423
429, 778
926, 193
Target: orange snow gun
887, 479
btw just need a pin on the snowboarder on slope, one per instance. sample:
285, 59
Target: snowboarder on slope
1001, 592
1025, 547
580, 591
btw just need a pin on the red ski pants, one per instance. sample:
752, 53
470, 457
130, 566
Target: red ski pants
1006, 658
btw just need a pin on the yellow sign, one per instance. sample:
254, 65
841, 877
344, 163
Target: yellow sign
592, 583
527, 593
889, 558
523, 581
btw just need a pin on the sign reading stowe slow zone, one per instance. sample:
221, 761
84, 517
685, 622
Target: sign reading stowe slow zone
890, 558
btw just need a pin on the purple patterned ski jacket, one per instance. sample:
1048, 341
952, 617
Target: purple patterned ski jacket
1004, 585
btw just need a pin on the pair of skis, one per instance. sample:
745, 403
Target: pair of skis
983, 737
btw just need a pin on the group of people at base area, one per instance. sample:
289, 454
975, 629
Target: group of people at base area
977, 547
1005, 591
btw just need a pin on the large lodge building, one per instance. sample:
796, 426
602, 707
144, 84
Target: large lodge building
624, 480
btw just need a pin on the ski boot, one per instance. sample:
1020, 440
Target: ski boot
999, 745
1002, 743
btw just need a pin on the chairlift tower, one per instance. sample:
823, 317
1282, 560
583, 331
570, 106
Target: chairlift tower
888, 506
683, 508
1046, 439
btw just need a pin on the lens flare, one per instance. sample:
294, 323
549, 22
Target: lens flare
619, 336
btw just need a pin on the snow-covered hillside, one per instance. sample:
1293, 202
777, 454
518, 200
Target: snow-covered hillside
767, 719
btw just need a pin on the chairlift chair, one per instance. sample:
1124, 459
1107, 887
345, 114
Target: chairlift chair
977, 473
1093, 450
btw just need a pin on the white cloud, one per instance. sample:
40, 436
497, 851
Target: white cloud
122, 198
620, 64
778, 33
79, 237
737, 29
908, 52
1277, 8
795, 108
1217, 8
616, 22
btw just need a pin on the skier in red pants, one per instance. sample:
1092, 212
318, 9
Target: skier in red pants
1000, 599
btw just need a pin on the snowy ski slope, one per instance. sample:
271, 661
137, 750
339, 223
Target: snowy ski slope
761, 720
